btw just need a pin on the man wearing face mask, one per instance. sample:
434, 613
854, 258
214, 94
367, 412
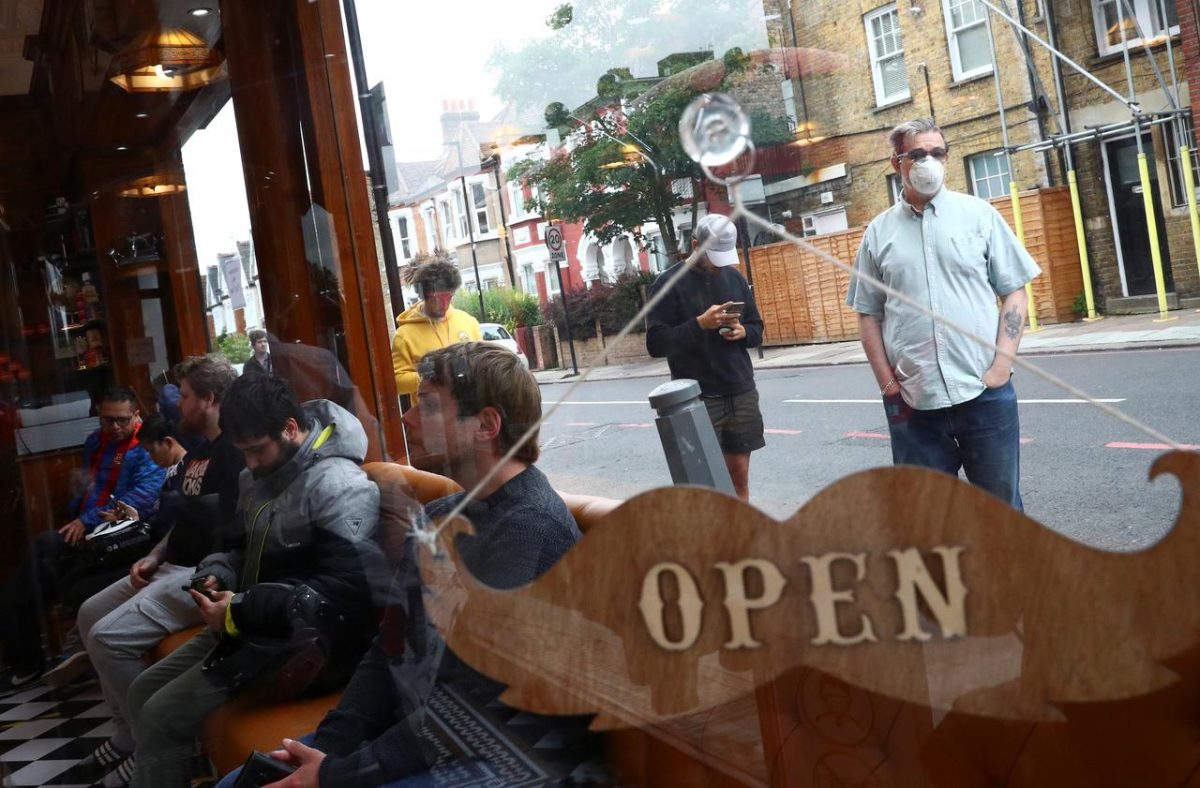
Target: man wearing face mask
949, 401
430, 324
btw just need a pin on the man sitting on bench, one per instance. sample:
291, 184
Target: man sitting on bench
308, 547
474, 403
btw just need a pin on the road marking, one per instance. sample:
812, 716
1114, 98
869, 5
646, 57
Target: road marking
636, 426
781, 432
581, 424
1148, 446
870, 435
598, 402
879, 402
1067, 401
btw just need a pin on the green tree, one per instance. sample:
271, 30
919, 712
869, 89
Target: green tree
586, 38
235, 347
621, 175
614, 187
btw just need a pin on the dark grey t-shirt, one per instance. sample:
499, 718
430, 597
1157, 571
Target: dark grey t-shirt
374, 735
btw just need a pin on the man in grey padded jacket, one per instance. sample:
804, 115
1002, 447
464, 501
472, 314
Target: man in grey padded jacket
309, 514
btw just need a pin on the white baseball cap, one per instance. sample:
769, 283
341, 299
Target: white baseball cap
718, 237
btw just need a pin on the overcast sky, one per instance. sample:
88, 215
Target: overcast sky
429, 51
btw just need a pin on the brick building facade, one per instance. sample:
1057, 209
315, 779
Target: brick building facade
909, 58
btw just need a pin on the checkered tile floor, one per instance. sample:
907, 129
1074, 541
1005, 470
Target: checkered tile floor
45, 732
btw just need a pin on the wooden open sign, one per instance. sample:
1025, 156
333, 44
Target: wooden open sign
899, 584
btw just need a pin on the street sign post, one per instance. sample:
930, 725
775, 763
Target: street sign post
558, 254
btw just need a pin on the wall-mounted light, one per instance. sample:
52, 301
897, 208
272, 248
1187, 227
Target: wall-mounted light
915, 7
165, 60
200, 11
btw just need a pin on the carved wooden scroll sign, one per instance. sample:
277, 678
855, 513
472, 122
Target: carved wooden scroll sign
898, 581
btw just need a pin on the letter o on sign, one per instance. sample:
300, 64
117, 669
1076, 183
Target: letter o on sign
690, 607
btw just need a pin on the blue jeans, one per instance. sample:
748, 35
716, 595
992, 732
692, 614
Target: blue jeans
982, 437
413, 781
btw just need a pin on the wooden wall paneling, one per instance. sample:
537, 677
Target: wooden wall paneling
113, 219
267, 92
342, 186
183, 275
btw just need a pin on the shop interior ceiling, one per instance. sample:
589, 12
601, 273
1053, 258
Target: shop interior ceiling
112, 119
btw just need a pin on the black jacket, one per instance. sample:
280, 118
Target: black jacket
720, 366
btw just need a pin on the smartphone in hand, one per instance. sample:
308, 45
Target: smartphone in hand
735, 308
198, 585
262, 769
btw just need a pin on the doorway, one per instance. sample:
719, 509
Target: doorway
1129, 216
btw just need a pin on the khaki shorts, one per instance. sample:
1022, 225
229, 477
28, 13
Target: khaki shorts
737, 421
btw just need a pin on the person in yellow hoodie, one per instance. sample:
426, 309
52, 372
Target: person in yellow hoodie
429, 324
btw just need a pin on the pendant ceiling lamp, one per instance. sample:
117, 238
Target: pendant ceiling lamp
158, 185
165, 60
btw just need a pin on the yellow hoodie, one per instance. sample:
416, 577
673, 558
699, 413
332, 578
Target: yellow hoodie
416, 335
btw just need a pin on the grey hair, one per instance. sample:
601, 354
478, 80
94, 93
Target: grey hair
906, 131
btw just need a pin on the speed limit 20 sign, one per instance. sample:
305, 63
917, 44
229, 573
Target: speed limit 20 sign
554, 242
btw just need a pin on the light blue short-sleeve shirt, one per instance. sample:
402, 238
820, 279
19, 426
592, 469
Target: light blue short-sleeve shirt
955, 258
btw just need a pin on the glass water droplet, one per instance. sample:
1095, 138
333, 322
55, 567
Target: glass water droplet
714, 129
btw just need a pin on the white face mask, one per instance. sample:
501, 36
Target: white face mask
926, 176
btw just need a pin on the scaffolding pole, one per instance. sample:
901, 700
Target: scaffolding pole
1160, 283
1096, 133
1131, 103
1060, 56
1013, 189
1177, 132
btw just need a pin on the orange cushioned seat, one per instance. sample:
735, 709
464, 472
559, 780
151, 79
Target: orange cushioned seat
170, 643
238, 728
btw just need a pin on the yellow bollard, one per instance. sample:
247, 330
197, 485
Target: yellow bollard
1020, 223
1081, 240
1160, 283
1189, 181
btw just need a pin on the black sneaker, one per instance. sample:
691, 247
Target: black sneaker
13, 681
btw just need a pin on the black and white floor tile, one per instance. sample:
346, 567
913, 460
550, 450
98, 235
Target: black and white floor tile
46, 732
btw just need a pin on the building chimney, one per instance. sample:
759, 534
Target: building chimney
459, 114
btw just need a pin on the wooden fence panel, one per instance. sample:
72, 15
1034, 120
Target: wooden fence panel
801, 296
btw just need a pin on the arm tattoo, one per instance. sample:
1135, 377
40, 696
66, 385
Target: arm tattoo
1013, 323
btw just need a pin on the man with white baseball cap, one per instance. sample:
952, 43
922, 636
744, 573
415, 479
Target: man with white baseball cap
704, 326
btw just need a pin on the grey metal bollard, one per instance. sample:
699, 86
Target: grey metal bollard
688, 439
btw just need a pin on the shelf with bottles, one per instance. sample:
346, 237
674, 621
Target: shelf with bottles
76, 311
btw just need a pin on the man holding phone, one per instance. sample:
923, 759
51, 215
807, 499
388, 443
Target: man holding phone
122, 622
704, 327
118, 468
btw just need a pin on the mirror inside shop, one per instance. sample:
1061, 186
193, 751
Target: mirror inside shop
599, 392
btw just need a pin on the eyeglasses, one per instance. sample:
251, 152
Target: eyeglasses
112, 421
919, 154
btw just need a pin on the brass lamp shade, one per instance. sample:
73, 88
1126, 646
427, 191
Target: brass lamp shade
153, 186
166, 60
